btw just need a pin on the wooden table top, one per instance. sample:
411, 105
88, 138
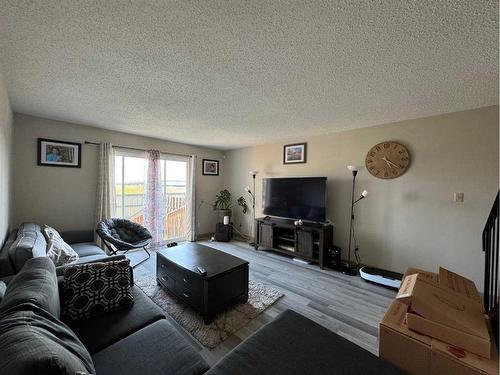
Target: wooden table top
190, 255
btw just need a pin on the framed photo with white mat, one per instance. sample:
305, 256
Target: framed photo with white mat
210, 167
53, 153
295, 153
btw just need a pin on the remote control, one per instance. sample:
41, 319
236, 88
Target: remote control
201, 270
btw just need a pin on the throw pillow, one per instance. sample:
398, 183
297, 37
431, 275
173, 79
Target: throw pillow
57, 249
96, 288
49, 231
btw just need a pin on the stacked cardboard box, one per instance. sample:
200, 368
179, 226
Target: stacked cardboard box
436, 325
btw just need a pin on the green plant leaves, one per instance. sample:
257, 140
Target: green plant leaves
223, 201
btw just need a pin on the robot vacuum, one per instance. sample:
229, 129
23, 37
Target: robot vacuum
382, 277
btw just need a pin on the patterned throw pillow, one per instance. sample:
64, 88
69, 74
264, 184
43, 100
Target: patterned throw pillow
96, 288
57, 249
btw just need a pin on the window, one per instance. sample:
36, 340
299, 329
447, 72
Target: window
130, 186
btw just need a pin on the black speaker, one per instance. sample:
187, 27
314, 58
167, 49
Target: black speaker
334, 258
223, 232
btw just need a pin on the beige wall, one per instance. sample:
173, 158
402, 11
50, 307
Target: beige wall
411, 220
5, 160
65, 197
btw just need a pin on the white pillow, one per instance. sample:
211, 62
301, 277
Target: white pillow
58, 250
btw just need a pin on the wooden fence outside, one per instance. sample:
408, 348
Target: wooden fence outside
175, 218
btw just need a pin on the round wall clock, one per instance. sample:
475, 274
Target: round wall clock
387, 160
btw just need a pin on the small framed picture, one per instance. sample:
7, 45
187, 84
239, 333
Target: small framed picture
210, 167
54, 153
295, 154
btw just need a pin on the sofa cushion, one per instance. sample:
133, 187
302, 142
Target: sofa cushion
3, 288
156, 349
35, 283
28, 227
32, 341
292, 344
101, 331
28, 244
78, 235
86, 249
96, 288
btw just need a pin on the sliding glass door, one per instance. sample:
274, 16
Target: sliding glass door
130, 186
174, 177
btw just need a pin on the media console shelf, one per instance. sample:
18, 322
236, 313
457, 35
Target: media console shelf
309, 241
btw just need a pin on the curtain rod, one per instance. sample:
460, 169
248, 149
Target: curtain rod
136, 149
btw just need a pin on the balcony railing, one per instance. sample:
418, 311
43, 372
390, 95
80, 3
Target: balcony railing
491, 249
175, 213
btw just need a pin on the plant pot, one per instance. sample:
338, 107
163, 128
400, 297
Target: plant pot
222, 213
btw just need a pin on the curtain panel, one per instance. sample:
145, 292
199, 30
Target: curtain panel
154, 200
191, 199
105, 201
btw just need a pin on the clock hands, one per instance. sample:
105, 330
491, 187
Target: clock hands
389, 162
386, 162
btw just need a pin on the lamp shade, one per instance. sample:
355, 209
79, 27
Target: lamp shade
354, 168
364, 194
253, 173
247, 189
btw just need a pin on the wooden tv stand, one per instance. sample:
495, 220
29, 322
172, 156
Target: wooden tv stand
309, 241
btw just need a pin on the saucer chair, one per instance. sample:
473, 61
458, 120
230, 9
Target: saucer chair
122, 235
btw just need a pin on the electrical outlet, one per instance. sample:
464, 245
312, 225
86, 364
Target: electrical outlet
458, 197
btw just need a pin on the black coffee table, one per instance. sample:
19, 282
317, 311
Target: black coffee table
225, 283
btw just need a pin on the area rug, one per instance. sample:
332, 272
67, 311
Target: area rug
260, 297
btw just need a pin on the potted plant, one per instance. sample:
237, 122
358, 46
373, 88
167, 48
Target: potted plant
224, 205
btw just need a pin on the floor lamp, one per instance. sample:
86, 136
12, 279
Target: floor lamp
252, 194
349, 270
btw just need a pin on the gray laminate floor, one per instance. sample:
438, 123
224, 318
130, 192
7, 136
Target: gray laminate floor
346, 305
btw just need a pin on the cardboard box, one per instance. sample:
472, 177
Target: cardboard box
449, 280
422, 355
404, 348
430, 277
459, 284
444, 314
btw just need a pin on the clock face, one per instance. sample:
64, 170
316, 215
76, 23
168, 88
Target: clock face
387, 160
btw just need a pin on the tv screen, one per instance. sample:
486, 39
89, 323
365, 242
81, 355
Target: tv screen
296, 198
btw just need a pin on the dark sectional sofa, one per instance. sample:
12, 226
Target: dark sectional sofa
137, 341
28, 242
140, 341
293, 345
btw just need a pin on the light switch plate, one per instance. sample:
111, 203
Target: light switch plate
458, 197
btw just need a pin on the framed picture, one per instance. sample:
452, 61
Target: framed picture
54, 153
295, 154
210, 167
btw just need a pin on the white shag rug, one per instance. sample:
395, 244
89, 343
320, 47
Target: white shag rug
260, 297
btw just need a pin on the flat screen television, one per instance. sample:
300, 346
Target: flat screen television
295, 198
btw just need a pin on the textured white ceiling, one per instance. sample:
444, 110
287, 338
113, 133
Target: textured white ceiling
228, 74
